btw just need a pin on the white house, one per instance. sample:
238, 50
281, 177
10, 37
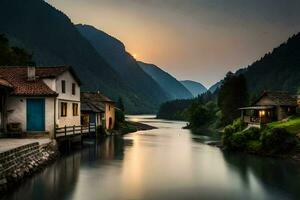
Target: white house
42, 98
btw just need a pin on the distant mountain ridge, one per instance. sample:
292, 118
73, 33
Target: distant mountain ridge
194, 87
115, 54
54, 40
170, 84
215, 86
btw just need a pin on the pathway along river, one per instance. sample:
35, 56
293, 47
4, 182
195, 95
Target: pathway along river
166, 163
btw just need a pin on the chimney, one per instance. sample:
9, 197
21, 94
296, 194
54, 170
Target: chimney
31, 73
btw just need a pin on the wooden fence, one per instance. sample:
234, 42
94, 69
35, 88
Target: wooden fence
69, 131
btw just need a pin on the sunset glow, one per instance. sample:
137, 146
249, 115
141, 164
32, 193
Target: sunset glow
208, 38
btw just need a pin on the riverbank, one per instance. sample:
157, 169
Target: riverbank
23, 159
131, 126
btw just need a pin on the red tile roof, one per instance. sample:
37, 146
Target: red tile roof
95, 96
17, 77
5, 83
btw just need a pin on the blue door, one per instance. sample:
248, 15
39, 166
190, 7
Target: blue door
35, 114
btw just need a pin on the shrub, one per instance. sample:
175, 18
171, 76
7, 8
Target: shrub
298, 111
238, 141
278, 140
226, 137
120, 116
254, 146
239, 125
252, 133
233, 135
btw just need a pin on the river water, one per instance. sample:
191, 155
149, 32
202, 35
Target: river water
165, 163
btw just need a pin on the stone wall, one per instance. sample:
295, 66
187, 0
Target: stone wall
21, 162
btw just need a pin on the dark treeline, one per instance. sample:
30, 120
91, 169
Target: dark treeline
13, 56
210, 110
277, 70
190, 109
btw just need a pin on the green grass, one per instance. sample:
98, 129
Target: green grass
292, 125
254, 145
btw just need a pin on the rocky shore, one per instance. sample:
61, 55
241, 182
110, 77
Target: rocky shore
22, 162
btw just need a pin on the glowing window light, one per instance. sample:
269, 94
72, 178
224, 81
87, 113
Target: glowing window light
262, 113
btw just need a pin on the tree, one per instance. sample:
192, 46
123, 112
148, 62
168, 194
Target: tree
13, 56
120, 104
233, 94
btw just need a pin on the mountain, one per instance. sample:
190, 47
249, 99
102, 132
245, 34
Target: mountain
214, 87
277, 70
194, 87
169, 84
53, 39
114, 53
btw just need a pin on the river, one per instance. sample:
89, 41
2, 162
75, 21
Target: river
165, 163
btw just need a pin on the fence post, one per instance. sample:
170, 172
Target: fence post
65, 130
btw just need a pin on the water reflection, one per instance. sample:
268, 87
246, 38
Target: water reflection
277, 176
59, 181
166, 163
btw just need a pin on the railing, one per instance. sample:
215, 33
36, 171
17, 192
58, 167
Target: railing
74, 130
252, 120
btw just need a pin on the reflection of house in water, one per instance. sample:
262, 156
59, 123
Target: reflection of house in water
54, 182
111, 148
265, 173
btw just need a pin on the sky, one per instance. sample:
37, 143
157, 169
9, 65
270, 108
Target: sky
198, 40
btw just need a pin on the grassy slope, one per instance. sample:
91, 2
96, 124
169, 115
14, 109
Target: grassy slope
292, 125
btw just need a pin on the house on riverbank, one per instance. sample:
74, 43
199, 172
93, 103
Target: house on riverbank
269, 107
36, 100
97, 109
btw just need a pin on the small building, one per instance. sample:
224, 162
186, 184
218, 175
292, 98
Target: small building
41, 98
92, 113
97, 108
269, 107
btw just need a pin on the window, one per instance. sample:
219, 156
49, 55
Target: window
63, 86
73, 88
64, 109
75, 109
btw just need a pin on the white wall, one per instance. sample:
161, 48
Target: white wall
67, 76
16, 111
68, 120
51, 83
17, 107
68, 98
